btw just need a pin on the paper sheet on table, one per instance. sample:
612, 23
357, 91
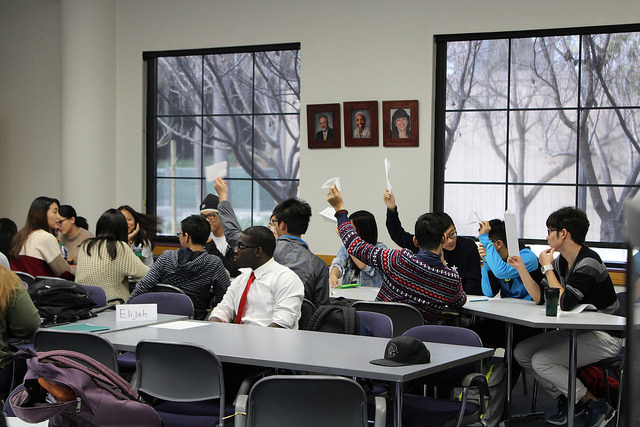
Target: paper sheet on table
511, 230
578, 309
329, 214
387, 170
179, 324
327, 185
216, 170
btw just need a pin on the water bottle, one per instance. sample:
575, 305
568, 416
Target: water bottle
63, 250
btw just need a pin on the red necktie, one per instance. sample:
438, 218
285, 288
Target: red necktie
243, 299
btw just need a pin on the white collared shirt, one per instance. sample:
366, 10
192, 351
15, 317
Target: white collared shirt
274, 297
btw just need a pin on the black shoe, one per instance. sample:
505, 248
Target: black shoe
599, 413
560, 417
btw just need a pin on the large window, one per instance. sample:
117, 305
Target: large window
222, 112
535, 121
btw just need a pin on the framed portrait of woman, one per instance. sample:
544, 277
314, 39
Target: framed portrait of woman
360, 124
400, 123
323, 125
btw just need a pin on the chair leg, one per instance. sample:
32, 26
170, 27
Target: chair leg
607, 392
534, 395
524, 382
619, 396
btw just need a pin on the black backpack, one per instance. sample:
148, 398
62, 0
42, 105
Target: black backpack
337, 319
61, 301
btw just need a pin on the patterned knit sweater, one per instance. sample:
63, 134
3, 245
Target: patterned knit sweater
111, 274
420, 280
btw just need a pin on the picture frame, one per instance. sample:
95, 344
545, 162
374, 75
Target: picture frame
328, 137
400, 113
353, 125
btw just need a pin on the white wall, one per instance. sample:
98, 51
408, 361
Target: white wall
354, 50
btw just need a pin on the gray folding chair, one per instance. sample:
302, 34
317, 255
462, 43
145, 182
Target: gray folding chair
93, 345
403, 316
164, 287
26, 277
301, 400
168, 302
187, 377
380, 324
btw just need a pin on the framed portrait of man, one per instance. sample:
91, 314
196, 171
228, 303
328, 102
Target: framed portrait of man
361, 124
400, 123
323, 125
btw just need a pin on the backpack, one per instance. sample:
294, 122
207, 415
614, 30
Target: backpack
337, 319
102, 397
61, 301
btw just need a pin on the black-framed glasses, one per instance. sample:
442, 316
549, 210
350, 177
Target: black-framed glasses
551, 230
211, 215
452, 235
242, 246
180, 234
60, 222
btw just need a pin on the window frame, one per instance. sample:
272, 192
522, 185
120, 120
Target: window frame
150, 59
440, 110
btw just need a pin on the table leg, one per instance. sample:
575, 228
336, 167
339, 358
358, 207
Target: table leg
398, 406
573, 355
509, 355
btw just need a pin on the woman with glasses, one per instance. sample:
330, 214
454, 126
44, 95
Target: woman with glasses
71, 235
35, 249
141, 229
107, 260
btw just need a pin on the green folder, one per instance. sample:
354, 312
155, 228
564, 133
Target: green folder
83, 327
349, 285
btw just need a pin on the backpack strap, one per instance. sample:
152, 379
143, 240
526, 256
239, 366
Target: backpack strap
318, 317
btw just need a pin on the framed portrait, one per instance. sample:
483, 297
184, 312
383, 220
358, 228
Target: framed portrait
323, 125
360, 124
400, 123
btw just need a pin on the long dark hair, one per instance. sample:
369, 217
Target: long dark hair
365, 224
8, 229
36, 220
148, 225
111, 228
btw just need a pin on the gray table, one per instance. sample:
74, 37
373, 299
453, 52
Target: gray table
108, 319
320, 352
527, 313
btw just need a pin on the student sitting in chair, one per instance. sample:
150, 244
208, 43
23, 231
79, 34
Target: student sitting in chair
422, 280
269, 295
189, 268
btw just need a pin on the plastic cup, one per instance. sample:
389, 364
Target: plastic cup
551, 296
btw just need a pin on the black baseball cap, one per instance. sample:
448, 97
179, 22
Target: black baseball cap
404, 350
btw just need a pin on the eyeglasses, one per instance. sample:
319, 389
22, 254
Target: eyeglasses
242, 246
180, 234
62, 221
274, 221
452, 235
210, 215
550, 230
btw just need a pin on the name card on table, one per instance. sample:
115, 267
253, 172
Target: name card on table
136, 312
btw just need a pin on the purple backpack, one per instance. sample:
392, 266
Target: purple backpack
103, 397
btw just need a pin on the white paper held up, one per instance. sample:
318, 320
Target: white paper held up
216, 170
511, 230
387, 171
328, 213
327, 185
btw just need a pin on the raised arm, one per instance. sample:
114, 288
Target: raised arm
228, 219
398, 234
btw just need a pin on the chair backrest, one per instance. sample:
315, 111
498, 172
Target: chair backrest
307, 310
403, 316
622, 299
380, 324
97, 294
448, 335
26, 277
178, 372
168, 303
38, 278
302, 400
163, 287
93, 345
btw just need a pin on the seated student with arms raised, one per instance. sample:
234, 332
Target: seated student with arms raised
460, 253
581, 278
189, 268
269, 295
422, 279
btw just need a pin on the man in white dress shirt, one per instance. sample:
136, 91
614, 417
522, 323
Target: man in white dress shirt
272, 293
